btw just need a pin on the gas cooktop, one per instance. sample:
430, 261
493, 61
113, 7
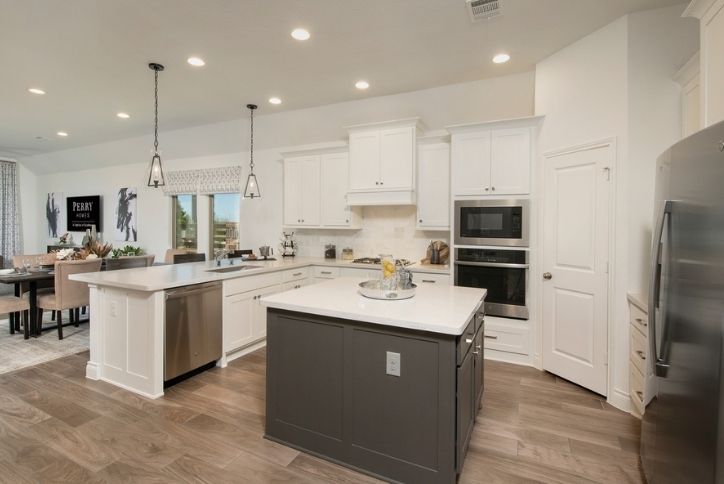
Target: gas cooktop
377, 260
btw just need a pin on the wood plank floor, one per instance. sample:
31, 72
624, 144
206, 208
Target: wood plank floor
57, 426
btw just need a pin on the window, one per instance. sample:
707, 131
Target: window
185, 221
224, 222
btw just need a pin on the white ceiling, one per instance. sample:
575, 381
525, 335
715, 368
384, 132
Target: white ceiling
90, 57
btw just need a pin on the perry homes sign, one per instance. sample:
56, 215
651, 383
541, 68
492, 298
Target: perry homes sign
83, 212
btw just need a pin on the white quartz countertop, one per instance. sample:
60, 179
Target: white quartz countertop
435, 307
159, 278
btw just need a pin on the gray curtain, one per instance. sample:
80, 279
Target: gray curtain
11, 242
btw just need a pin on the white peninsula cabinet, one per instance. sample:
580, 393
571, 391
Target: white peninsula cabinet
382, 163
315, 190
492, 158
433, 186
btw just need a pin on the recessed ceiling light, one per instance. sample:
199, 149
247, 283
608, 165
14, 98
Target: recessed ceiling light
62, 134
362, 85
196, 61
275, 100
35, 90
300, 34
123, 115
501, 58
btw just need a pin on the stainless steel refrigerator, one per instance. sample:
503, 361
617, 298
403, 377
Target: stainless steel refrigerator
682, 438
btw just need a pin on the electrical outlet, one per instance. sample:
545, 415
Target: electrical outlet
393, 363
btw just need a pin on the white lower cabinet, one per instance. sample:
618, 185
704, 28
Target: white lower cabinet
430, 278
506, 335
245, 318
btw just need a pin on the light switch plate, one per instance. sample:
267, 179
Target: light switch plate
393, 363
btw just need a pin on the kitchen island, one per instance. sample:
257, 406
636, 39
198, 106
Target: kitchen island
390, 388
128, 310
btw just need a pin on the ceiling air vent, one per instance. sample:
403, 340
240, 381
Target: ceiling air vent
483, 9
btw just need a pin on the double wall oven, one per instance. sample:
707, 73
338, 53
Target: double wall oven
491, 239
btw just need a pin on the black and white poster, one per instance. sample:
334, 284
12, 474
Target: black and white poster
84, 213
54, 214
126, 215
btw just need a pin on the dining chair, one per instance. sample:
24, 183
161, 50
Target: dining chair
129, 262
190, 257
68, 294
171, 253
12, 305
43, 286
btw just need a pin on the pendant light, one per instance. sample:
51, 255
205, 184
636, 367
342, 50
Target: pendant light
155, 175
252, 187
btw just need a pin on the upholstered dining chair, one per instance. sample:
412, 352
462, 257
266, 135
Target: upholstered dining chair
171, 253
129, 262
12, 305
43, 286
68, 294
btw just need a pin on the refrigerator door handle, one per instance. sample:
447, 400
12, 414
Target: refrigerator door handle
660, 366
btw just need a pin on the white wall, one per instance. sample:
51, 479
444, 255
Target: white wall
616, 83
102, 169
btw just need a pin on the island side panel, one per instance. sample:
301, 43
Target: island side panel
328, 392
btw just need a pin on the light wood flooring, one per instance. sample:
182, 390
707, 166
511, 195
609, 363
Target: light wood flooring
57, 426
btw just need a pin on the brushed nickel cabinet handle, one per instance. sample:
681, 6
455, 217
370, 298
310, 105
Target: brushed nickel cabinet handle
490, 337
640, 395
641, 322
429, 281
641, 354
468, 340
326, 272
296, 274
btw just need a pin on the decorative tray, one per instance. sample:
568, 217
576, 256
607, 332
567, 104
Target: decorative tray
373, 290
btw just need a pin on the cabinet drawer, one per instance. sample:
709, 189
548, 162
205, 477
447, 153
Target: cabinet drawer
508, 338
326, 272
425, 278
638, 349
466, 340
354, 272
636, 388
639, 319
295, 274
250, 283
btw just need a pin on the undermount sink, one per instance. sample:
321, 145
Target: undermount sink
233, 268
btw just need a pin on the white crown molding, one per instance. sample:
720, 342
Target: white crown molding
688, 71
499, 123
699, 8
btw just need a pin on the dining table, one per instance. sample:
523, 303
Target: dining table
32, 277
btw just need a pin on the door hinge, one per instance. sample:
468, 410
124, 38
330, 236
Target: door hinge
607, 171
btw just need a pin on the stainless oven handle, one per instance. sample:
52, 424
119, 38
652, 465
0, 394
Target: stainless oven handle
493, 264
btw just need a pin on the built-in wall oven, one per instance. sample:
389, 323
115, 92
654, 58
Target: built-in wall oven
491, 222
503, 272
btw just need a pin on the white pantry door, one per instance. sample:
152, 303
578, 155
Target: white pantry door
575, 265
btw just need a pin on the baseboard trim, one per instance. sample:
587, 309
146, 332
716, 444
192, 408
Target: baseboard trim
514, 358
91, 371
621, 400
244, 351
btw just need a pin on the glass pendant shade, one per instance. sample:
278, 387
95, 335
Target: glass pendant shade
252, 187
155, 175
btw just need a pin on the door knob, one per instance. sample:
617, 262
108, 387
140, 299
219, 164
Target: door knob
547, 276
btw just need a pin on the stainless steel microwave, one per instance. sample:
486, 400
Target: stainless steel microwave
492, 222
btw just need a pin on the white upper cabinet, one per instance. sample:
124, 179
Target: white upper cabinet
302, 191
471, 163
315, 190
492, 158
433, 186
335, 173
510, 162
382, 163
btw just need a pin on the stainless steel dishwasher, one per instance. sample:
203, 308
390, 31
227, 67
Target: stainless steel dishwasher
193, 328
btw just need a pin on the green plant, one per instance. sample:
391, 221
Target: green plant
126, 251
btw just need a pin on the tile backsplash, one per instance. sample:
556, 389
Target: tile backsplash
385, 230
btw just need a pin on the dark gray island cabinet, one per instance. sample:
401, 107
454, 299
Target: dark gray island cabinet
395, 402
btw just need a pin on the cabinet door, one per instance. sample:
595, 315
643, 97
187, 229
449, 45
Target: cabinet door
433, 186
258, 312
335, 184
470, 170
238, 325
510, 165
292, 191
465, 407
364, 160
310, 192
397, 158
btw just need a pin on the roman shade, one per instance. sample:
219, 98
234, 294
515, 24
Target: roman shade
203, 181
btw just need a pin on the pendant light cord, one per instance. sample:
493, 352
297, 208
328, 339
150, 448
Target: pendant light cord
155, 122
251, 143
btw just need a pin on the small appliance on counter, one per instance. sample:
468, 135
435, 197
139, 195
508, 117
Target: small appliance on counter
266, 253
348, 254
288, 245
330, 251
